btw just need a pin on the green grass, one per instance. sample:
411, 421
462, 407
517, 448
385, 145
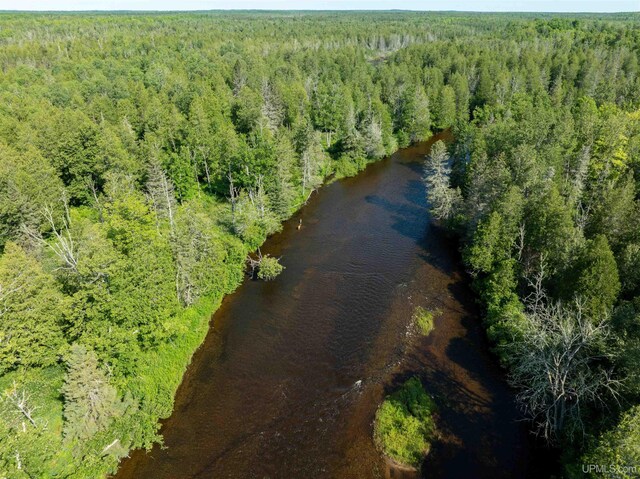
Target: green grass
423, 319
404, 426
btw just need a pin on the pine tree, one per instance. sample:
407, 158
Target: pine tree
443, 199
90, 401
281, 190
161, 192
272, 110
373, 141
31, 312
445, 113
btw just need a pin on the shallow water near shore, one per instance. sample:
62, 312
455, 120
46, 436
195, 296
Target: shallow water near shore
288, 380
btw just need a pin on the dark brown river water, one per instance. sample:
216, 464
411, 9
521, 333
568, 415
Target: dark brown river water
288, 380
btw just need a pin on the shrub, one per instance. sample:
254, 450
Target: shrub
404, 425
270, 268
423, 319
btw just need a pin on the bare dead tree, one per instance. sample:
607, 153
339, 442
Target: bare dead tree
556, 366
272, 111
20, 401
109, 446
254, 263
63, 244
521, 240
538, 296
266, 266
257, 196
205, 153
306, 169
193, 161
94, 194
444, 201
234, 193
582, 216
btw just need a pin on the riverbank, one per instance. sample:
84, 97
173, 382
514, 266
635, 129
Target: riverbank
161, 371
148, 393
292, 371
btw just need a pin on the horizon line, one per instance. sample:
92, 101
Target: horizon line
341, 10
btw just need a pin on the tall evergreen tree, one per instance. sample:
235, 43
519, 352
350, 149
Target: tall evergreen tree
90, 401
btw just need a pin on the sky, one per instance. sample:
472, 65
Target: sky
466, 5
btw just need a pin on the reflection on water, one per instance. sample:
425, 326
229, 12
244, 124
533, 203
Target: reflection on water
288, 380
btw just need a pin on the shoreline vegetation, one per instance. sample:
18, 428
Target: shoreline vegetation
159, 370
143, 157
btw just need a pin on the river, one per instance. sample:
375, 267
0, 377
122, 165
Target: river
288, 380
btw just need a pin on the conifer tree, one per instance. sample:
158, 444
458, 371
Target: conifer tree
90, 401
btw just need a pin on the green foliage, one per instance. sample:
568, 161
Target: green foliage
72, 142
596, 278
629, 266
200, 252
269, 268
445, 112
414, 121
488, 246
31, 312
548, 216
253, 219
616, 213
617, 449
423, 319
135, 178
27, 183
550, 227
404, 426
626, 325
32, 449
345, 167
90, 401
328, 110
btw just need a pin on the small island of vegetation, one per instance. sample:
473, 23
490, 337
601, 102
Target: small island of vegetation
404, 426
423, 320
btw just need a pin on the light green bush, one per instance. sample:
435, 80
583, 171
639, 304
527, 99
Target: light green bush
270, 268
423, 319
404, 426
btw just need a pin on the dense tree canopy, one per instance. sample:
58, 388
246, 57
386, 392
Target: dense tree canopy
549, 226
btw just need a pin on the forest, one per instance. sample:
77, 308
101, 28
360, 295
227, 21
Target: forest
143, 157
